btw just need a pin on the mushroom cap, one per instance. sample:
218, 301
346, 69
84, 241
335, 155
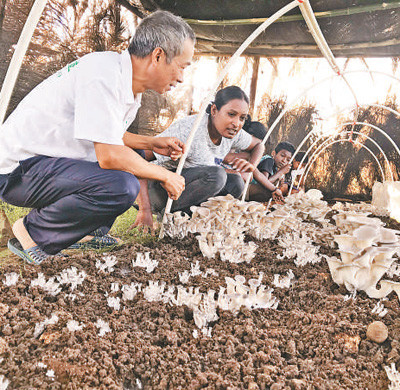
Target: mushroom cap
388, 236
240, 279
385, 290
367, 277
366, 232
348, 255
365, 258
347, 274
199, 211
344, 241
384, 255
314, 194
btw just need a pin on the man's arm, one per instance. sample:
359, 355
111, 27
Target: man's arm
122, 158
167, 146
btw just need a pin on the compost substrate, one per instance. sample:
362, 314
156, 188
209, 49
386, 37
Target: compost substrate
315, 339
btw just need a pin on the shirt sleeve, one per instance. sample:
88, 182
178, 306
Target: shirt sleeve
98, 115
242, 141
178, 129
267, 165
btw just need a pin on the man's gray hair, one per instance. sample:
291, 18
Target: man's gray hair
161, 29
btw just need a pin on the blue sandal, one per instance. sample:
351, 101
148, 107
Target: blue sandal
97, 242
32, 255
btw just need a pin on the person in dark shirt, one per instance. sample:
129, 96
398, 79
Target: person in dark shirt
295, 174
270, 173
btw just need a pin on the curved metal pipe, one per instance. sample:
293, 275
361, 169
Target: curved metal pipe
304, 92
346, 124
346, 140
332, 137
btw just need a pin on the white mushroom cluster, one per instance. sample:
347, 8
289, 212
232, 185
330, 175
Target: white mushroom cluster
222, 223
204, 305
386, 197
143, 260
366, 250
299, 246
11, 279
394, 377
307, 205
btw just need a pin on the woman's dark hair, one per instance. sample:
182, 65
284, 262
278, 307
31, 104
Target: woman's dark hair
225, 95
256, 129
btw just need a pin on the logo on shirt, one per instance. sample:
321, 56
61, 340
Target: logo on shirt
217, 161
69, 67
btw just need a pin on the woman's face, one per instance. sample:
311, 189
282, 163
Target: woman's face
230, 118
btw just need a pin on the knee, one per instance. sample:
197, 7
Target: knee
236, 185
125, 190
216, 178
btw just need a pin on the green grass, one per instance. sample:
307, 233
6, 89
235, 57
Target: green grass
119, 229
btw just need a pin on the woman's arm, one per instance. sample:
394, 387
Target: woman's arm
256, 149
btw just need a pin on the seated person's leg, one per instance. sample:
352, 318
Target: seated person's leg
201, 183
234, 185
70, 199
259, 193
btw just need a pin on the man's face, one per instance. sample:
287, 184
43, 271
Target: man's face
282, 158
168, 75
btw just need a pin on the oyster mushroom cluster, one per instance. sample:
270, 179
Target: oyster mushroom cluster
254, 295
221, 224
366, 254
299, 246
386, 197
307, 205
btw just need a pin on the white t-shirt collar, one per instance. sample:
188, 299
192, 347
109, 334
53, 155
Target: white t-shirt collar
126, 65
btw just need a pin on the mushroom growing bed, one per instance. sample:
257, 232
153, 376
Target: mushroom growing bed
167, 316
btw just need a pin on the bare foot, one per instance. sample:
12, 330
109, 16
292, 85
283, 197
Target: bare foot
22, 234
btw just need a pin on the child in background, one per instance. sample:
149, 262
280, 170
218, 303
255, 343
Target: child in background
294, 175
270, 173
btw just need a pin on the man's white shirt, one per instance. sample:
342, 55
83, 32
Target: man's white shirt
90, 100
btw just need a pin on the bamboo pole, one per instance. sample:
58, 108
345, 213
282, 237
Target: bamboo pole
293, 18
253, 85
18, 56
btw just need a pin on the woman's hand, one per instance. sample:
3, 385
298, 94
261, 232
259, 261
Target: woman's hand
242, 165
174, 184
168, 146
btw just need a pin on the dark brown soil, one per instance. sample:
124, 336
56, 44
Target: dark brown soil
315, 339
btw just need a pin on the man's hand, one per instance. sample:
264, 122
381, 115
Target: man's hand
174, 184
242, 165
144, 221
168, 146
